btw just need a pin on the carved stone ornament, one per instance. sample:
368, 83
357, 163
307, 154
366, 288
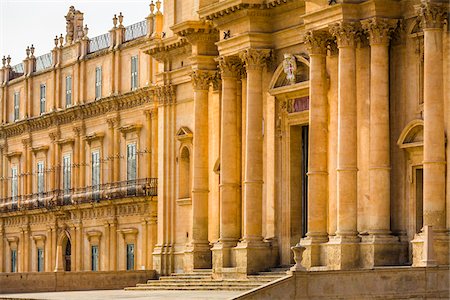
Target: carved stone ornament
431, 15
290, 67
316, 42
229, 66
379, 30
201, 79
255, 59
345, 33
298, 257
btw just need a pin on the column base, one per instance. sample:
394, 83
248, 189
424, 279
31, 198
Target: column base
252, 256
313, 256
440, 249
380, 250
197, 256
223, 257
163, 259
343, 252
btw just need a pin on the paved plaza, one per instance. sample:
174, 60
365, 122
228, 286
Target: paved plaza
121, 294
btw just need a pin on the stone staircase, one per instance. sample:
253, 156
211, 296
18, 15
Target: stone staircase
202, 280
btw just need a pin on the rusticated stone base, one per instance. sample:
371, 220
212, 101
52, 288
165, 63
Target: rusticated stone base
342, 253
251, 257
223, 258
315, 254
381, 250
197, 256
440, 252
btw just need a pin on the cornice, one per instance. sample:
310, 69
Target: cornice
161, 49
11, 155
94, 136
130, 128
39, 149
224, 8
83, 111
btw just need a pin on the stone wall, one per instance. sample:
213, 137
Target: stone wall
385, 283
71, 281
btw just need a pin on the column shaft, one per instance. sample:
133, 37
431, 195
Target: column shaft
434, 136
318, 138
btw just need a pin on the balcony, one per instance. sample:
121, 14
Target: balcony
145, 187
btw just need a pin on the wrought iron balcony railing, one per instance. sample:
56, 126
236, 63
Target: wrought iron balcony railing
90, 194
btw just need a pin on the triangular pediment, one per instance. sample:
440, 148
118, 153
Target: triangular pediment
184, 133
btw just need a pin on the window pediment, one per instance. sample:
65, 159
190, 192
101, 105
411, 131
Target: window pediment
184, 133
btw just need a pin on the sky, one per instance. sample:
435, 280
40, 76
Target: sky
26, 22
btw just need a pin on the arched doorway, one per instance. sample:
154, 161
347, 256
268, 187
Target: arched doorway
67, 256
289, 89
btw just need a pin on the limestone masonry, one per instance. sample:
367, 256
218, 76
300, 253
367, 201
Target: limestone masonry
219, 134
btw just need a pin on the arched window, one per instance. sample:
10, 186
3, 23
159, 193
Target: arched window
184, 175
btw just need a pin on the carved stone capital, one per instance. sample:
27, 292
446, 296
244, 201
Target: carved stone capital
255, 59
229, 66
113, 122
431, 15
151, 113
54, 136
26, 142
379, 30
217, 82
316, 42
165, 94
345, 33
201, 79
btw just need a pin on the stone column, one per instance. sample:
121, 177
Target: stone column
380, 247
117, 150
318, 145
230, 206
343, 245
148, 144
79, 249
106, 253
144, 240
82, 151
214, 128
432, 17
252, 250
197, 253
48, 250
76, 157
2, 247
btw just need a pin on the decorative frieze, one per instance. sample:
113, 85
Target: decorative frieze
165, 94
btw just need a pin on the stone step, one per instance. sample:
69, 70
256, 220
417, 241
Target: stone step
172, 280
189, 288
204, 283
185, 277
197, 274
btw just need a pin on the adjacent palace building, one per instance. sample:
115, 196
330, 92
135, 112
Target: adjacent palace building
219, 134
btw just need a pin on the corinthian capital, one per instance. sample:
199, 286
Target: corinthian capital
431, 14
379, 30
229, 66
345, 33
201, 79
316, 42
255, 58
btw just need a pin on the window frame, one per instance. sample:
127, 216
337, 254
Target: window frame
95, 260
14, 185
131, 257
16, 106
40, 260
40, 180
68, 91
14, 261
67, 173
98, 82
42, 98
134, 72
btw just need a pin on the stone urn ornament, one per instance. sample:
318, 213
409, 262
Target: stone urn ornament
298, 257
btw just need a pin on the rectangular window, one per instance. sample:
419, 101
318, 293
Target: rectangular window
40, 178
14, 261
40, 260
67, 176
14, 185
43, 96
131, 169
131, 162
134, 72
16, 105
94, 256
68, 91
130, 257
95, 157
98, 83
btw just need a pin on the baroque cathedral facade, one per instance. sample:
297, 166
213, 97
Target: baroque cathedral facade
219, 134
